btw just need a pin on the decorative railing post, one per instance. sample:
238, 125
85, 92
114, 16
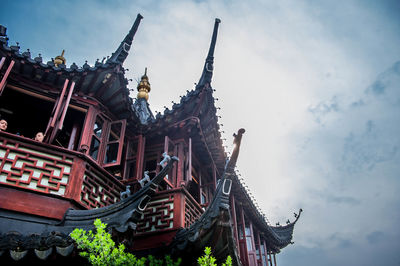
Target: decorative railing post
74, 188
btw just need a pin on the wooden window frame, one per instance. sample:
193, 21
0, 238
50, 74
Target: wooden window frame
59, 112
120, 142
104, 138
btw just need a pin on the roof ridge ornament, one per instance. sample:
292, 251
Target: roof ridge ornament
230, 166
60, 59
144, 87
119, 56
206, 76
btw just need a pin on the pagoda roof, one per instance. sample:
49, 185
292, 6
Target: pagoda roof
197, 107
105, 81
214, 226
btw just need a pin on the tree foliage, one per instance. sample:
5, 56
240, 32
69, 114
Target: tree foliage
100, 249
208, 260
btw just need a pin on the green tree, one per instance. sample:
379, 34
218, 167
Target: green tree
208, 260
100, 249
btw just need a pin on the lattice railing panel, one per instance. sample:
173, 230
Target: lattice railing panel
192, 212
30, 169
159, 214
99, 190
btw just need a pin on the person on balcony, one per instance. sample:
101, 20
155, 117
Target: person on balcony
3, 125
39, 136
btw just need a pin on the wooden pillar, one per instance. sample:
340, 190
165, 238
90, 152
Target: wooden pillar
259, 246
275, 259
245, 256
74, 187
140, 157
266, 252
179, 209
181, 163
189, 174
235, 229
87, 130
74, 136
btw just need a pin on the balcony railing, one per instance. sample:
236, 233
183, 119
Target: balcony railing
56, 172
169, 209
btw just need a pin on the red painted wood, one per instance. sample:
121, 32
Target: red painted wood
87, 129
189, 175
120, 142
153, 240
61, 122
59, 104
243, 246
233, 209
4, 79
252, 253
26, 202
140, 157
259, 249
74, 136
179, 211
74, 188
180, 167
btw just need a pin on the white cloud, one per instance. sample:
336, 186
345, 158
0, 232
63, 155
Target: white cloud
274, 63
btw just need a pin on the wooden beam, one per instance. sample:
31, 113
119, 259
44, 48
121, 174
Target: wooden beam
33, 203
71, 89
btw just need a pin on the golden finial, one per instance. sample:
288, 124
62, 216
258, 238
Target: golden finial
60, 59
144, 86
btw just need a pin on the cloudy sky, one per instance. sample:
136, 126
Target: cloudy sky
316, 84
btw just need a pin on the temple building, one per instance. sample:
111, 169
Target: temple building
163, 183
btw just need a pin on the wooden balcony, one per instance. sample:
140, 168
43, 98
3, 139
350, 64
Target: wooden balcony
167, 212
46, 180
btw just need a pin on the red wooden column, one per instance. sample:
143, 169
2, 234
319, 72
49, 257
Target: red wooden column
265, 252
259, 247
179, 210
73, 138
4, 79
181, 167
74, 188
140, 157
189, 173
242, 242
87, 130
275, 259
252, 253
235, 229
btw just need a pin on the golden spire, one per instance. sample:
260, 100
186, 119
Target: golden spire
144, 86
60, 59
